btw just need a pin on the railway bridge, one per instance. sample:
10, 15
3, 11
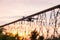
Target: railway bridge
46, 22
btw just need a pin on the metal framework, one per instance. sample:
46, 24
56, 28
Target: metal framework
49, 9
49, 17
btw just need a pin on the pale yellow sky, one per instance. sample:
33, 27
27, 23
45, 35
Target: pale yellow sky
11, 8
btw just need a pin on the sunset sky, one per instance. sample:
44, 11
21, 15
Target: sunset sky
11, 10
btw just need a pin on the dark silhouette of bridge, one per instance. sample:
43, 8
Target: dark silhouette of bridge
54, 19
30, 17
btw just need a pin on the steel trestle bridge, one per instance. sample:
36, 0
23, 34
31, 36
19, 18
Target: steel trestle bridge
47, 19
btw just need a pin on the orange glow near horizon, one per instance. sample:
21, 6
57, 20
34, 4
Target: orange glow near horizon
25, 29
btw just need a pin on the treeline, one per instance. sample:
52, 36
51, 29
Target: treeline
34, 36
5, 37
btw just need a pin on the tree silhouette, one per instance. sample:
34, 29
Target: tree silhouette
34, 35
1, 29
5, 37
17, 37
41, 38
